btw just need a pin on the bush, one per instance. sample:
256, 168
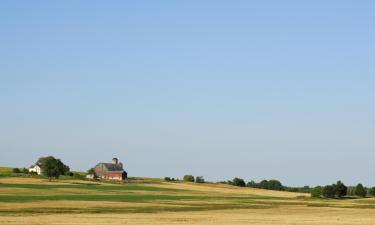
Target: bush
252, 184
316, 192
167, 178
25, 171
199, 179
340, 189
16, 170
372, 191
239, 182
328, 191
189, 178
263, 184
275, 185
360, 191
78, 176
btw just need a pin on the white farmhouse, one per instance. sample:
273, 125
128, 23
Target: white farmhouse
35, 169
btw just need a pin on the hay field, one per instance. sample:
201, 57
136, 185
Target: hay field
151, 201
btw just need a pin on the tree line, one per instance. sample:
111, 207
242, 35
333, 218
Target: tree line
337, 190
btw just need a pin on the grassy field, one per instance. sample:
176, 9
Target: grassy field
152, 201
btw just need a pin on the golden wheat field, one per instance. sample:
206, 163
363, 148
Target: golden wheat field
32, 201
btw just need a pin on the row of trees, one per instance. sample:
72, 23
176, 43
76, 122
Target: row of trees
339, 190
187, 178
264, 184
191, 178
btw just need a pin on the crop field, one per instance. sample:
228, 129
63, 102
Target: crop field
152, 201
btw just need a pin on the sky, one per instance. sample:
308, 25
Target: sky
253, 89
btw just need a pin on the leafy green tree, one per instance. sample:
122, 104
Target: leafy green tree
372, 191
340, 189
189, 178
329, 191
316, 192
78, 176
239, 182
275, 185
25, 171
91, 171
252, 184
360, 191
52, 167
263, 184
199, 179
16, 170
167, 178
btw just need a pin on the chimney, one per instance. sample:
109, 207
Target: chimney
115, 161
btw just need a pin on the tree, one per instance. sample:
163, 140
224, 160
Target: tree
372, 191
360, 191
167, 178
316, 192
328, 191
252, 184
275, 185
16, 170
189, 178
25, 171
263, 184
340, 189
239, 182
52, 167
199, 179
91, 171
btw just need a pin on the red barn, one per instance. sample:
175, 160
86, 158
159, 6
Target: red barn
113, 171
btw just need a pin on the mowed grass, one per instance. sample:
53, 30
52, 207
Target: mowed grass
33, 198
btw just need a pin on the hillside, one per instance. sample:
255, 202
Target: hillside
145, 201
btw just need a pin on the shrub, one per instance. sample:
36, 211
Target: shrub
167, 178
199, 179
372, 191
316, 192
78, 176
91, 171
275, 185
189, 178
263, 184
239, 182
25, 171
360, 191
252, 184
340, 189
16, 170
328, 191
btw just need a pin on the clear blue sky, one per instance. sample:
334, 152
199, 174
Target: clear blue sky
255, 89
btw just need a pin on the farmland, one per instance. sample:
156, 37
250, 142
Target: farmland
153, 201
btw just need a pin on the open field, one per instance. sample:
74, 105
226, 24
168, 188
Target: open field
152, 201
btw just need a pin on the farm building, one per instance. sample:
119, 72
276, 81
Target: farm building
112, 171
35, 169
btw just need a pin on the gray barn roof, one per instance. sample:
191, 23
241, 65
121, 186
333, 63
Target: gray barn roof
113, 167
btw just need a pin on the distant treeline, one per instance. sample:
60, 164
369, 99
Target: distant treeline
337, 190
266, 184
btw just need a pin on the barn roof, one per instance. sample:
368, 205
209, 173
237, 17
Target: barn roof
113, 167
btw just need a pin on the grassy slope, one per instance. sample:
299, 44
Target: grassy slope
34, 196
5, 170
